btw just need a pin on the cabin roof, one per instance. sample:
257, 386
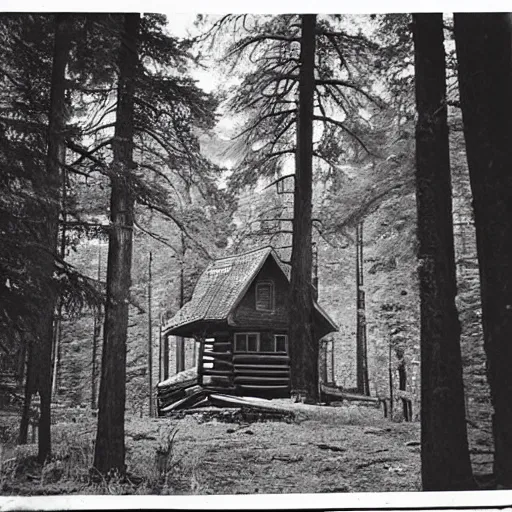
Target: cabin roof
223, 284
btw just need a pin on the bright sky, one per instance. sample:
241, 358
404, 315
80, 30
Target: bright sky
261, 6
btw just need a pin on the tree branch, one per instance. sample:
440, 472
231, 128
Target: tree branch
85, 152
279, 180
350, 85
343, 127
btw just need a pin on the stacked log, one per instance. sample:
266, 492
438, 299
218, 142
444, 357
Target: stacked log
174, 392
262, 374
217, 366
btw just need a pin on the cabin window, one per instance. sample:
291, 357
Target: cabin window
253, 342
265, 296
267, 343
281, 343
247, 342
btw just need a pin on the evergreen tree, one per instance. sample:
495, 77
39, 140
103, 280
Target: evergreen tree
32, 124
445, 463
50, 227
304, 345
268, 102
109, 449
483, 43
158, 117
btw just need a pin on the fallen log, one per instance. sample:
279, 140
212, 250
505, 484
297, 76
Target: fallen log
182, 377
185, 402
345, 395
162, 392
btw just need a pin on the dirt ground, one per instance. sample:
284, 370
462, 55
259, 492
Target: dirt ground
328, 450
324, 449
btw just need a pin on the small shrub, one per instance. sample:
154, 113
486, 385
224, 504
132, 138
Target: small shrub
164, 457
52, 472
8, 469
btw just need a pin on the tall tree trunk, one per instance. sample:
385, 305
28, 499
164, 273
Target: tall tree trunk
444, 447
57, 335
391, 384
484, 54
28, 392
363, 386
95, 339
302, 345
56, 128
150, 336
110, 450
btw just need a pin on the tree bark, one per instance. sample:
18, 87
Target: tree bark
28, 392
150, 336
57, 334
56, 128
445, 463
302, 345
95, 340
391, 384
484, 53
363, 386
109, 453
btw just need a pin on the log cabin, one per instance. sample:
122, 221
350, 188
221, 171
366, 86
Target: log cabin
239, 313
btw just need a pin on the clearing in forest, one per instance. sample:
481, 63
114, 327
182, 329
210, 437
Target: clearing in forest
216, 451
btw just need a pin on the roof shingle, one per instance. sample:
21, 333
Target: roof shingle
221, 285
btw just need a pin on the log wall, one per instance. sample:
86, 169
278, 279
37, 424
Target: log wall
265, 374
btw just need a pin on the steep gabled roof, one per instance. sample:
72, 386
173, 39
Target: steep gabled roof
223, 284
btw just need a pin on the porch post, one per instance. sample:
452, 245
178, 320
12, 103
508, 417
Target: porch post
200, 361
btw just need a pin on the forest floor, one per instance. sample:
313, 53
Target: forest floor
323, 449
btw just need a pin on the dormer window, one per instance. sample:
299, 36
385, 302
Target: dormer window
265, 296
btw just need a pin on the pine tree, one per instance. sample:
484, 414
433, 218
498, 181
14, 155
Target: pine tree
271, 47
109, 449
445, 463
50, 228
304, 345
33, 125
483, 43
